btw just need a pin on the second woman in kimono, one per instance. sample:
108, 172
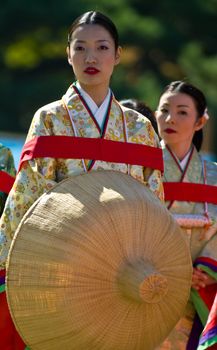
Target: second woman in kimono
190, 184
86, 130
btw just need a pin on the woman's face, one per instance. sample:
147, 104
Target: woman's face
92, 55
177, 119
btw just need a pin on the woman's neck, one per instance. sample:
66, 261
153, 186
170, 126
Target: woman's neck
97, 93
180, 150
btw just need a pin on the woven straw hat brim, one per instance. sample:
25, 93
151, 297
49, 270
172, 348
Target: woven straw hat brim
97, 263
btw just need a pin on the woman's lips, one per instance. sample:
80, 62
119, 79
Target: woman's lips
169, 131
91, 70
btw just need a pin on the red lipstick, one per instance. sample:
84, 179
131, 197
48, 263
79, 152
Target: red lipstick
91, 70
169, 131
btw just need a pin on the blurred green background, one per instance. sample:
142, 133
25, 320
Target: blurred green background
162, 40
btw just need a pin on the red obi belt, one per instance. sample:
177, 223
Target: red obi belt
6, 181
190, 192
71, 147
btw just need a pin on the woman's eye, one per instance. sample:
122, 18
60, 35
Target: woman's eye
79, 48
103, 47
164, 110
183, 112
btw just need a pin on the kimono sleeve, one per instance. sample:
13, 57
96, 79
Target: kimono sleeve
140, 130
35, 177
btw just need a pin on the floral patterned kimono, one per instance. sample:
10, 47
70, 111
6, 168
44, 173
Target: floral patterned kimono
7, 168
198, 222
71, 117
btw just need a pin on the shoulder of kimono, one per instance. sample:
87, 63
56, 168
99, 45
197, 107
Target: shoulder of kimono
51, 108
135, 116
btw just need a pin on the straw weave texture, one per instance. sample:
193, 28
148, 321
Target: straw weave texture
97, 263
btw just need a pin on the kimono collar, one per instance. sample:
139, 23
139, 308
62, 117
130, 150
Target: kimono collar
181, 163
98, 112
184, 161
174, 172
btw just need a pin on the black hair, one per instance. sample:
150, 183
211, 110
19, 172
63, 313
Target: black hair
199, 101
142, 108
95, 17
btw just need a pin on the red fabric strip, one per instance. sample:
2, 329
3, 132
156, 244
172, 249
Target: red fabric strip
10, 339
205, 259
208, 294
6, 181
190, 192
92, 149
2, 273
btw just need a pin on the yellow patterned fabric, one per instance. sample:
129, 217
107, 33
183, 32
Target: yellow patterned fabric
200, 244
70, 117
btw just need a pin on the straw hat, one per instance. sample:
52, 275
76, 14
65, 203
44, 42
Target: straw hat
97, 263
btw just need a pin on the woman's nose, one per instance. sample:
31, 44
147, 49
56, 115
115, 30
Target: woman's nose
169, 118
90, 57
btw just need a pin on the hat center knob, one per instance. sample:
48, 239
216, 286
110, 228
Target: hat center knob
142, 282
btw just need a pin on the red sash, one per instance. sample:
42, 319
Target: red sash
6, 181
92, 149
190, 192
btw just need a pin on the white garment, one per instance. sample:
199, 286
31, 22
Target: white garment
99, 113
184, 161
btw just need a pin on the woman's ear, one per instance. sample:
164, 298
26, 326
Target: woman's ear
118, 55
201, 122
68, 55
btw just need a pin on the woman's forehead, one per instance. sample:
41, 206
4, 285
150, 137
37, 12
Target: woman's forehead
176, 98
95, 32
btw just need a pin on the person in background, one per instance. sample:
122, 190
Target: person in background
7, 174
190, 185
67, 137
141, 107
7, 177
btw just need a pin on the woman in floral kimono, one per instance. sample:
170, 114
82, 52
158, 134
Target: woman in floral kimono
87, 129
7, 174
190, 184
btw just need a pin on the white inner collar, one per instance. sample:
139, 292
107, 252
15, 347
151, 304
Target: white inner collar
98, 112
